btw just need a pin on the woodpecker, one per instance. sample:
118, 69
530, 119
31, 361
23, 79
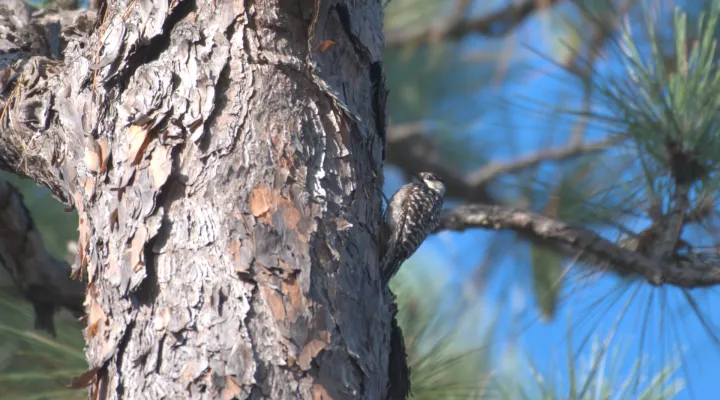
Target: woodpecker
412, 214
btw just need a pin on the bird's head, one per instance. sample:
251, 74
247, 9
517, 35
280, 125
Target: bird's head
433, 181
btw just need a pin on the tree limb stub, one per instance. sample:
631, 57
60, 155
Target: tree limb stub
40, 121
580, 241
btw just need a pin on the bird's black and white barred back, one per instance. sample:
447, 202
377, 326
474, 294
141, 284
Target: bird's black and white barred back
412, 214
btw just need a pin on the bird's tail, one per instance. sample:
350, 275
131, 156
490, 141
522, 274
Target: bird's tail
389, 266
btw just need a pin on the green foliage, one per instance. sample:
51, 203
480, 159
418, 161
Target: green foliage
447, 360
595, 376
450, 357
588, 194
421, 80
547, 268
661, 99
32, 364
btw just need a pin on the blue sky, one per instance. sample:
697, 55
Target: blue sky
509, 287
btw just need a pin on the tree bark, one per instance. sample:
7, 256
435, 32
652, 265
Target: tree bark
225, 159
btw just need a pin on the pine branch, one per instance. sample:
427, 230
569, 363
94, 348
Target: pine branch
590, 246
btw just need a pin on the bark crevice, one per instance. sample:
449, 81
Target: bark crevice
145, 53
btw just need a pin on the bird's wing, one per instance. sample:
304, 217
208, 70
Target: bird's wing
391, 255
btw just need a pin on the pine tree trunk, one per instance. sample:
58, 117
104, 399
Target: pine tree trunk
228, 192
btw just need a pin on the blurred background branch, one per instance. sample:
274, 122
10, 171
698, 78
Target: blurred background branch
44, 279
456, 26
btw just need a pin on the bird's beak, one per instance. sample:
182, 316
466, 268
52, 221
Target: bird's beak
416, 176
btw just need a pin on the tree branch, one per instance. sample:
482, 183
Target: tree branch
409, 149
496, 24
586, 243
44, 279
491, 171
40, 122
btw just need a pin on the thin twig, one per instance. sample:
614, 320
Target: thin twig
491, 171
